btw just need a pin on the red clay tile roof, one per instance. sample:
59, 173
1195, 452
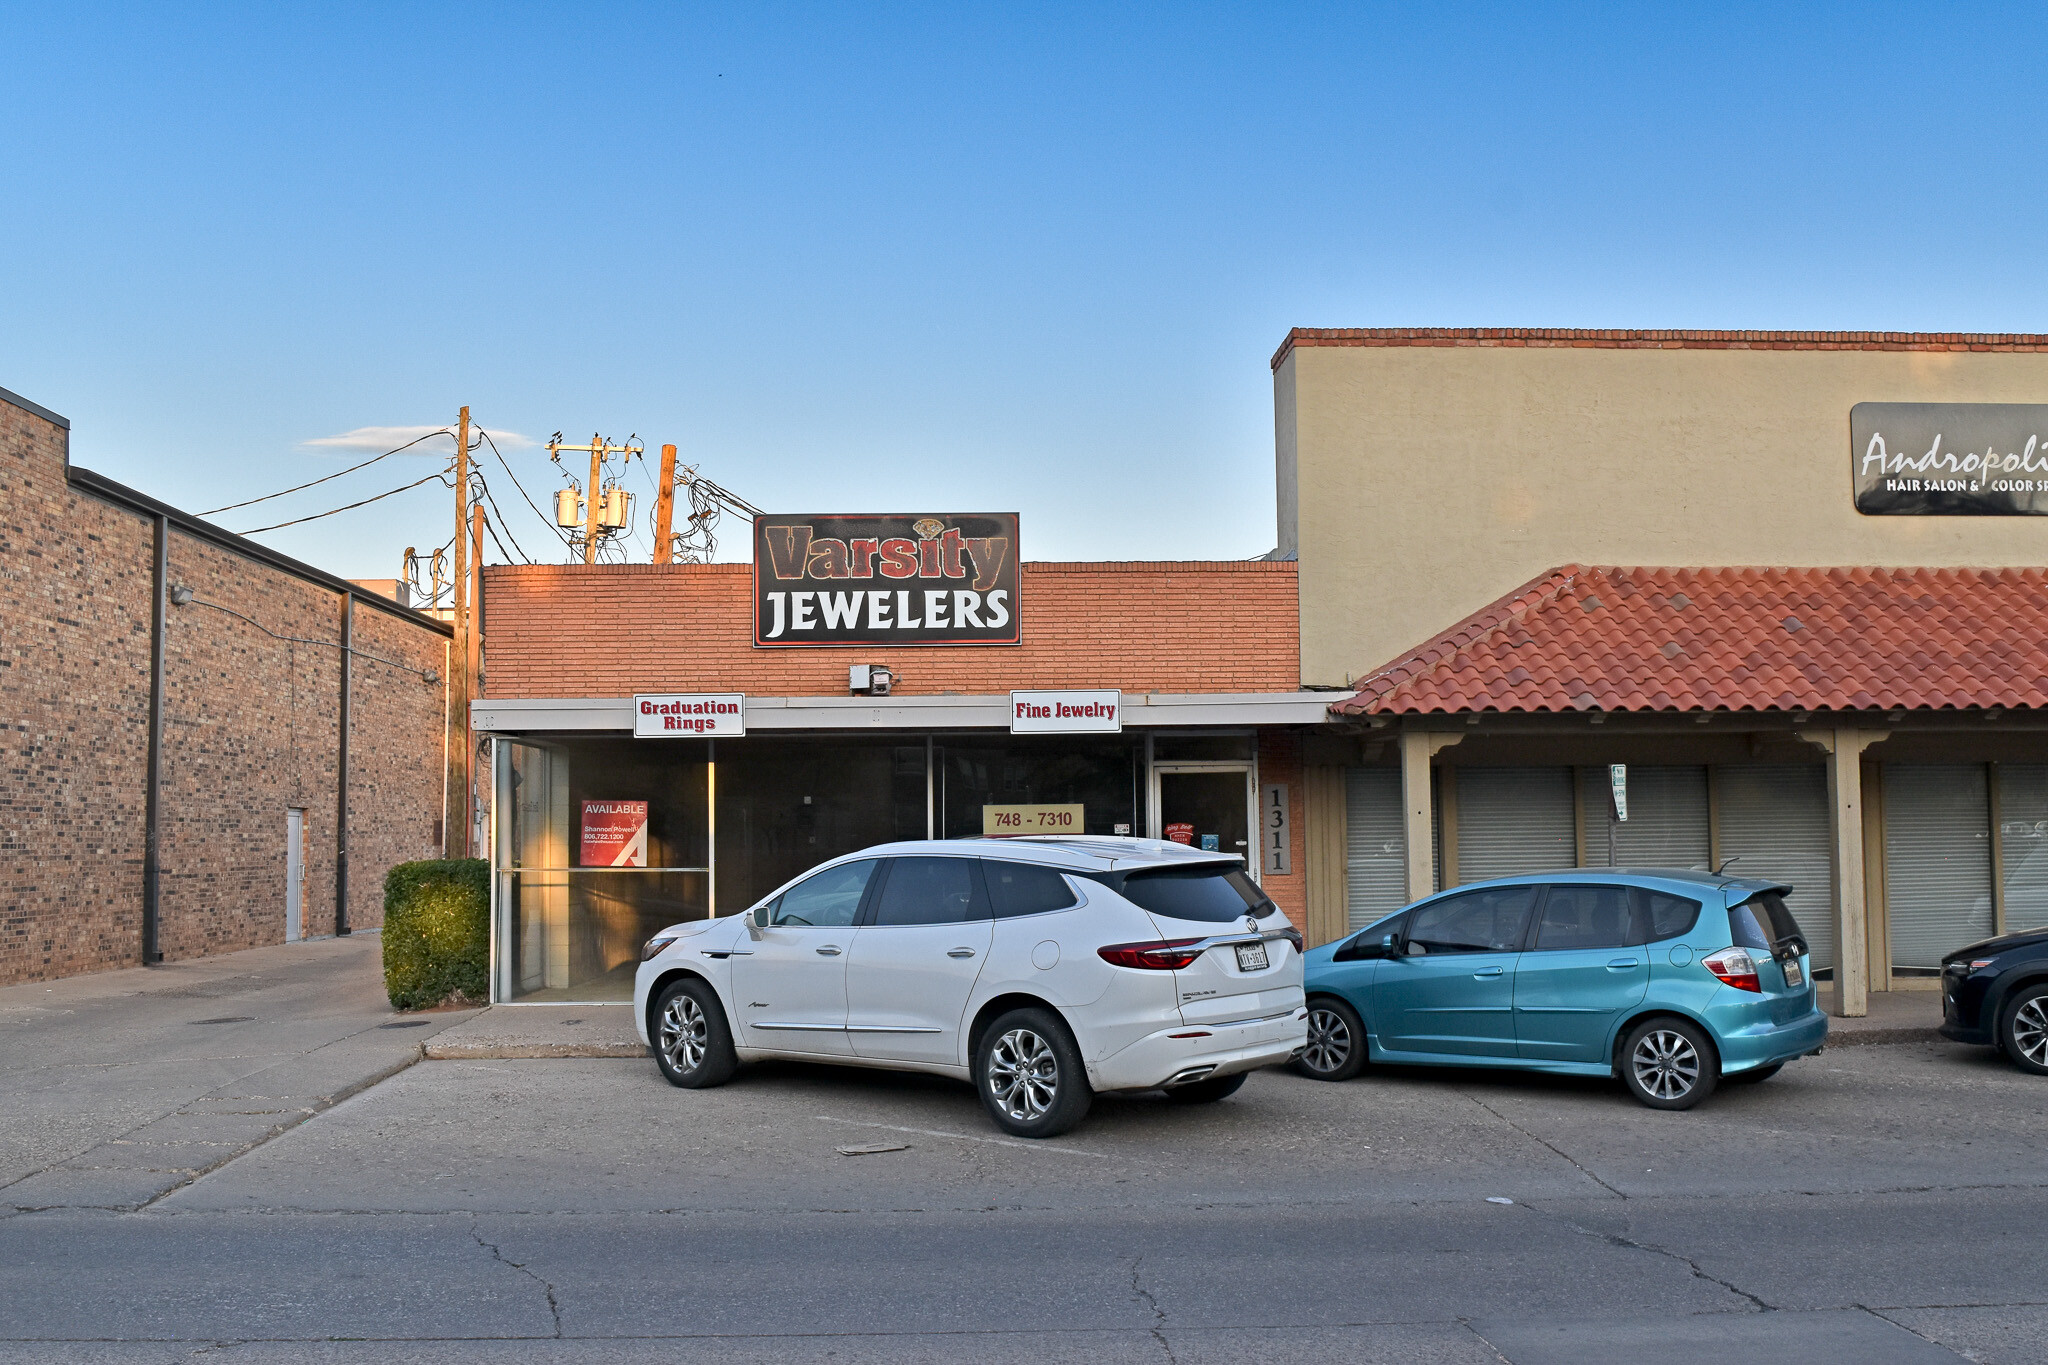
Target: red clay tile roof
1675, 339
1580, 639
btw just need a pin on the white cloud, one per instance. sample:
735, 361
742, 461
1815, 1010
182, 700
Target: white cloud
389, 438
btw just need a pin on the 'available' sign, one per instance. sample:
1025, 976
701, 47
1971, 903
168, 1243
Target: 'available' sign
614, 834
721, 715
1067, 713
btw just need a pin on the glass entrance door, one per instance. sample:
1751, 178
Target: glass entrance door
1206, 806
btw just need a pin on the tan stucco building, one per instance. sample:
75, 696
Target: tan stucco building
1525, 556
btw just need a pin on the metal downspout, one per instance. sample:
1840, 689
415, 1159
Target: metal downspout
152, 801
348, 658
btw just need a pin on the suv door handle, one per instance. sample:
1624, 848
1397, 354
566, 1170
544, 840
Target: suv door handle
1489, 971
828, 951
960, 952
1622, 964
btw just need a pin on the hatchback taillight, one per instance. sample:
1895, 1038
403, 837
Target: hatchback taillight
1735, 967
1162, 955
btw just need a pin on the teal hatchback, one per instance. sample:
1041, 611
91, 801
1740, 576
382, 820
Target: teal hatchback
1672, 980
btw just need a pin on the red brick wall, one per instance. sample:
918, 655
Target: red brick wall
613, 630
250, 729
1280, 761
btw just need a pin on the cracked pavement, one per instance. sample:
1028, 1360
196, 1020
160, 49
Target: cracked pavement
1873, 1204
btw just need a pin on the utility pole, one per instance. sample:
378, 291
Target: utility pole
473, 669
665, 508
458, 709
599, 518
593, 499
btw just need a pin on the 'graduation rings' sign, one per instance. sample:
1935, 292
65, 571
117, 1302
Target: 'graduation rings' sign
921, 578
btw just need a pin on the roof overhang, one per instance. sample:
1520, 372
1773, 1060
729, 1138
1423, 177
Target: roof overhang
1141, 710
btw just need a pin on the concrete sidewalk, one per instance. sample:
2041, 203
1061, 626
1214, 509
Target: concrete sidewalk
118, 1087
540, 1031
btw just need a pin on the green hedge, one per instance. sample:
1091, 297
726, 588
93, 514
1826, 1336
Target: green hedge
437, 932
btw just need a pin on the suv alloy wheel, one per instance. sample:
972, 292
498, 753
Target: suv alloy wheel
692, 1043
2023, 1031
1029, 1075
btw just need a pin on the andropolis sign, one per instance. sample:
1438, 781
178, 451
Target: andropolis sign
933, 578
1950, 459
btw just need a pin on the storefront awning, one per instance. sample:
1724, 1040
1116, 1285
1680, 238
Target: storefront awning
1140, 709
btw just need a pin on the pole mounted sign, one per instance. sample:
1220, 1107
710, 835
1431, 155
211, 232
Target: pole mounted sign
1950, 459
933, 578
719, 715
1098, 712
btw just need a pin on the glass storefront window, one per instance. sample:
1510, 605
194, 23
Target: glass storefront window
601, 841
787, 804
1100, 775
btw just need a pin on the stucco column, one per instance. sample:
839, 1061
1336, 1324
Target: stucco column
1845, 746
1418, 812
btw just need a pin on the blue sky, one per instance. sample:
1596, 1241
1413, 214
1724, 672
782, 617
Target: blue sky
951, 257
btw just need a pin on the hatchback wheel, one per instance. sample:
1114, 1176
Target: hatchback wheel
692, 1043
1029, 1075
1669, 1064
1336, 1042
2024, 1032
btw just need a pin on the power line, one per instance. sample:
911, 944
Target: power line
442, 475
492, 531
546, 520
486, 488
323, 479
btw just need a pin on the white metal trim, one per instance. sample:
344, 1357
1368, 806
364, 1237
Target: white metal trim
992, 711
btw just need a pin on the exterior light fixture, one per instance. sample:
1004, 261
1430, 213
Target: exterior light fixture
873, 680
181, 596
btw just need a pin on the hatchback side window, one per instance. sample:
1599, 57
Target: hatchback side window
929, 891
1025, 888
830, 899
1660, 916
1489, 921
1584, 917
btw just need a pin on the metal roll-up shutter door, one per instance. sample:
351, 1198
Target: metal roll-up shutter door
1375, 844
2023, 842
1513, 820
1937, 860
1774, 827
1667, 818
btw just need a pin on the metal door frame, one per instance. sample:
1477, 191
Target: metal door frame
1154, 816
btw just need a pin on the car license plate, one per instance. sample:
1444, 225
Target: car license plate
1251, 957
1794, 978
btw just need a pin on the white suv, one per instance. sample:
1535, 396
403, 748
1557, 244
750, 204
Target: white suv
1041, 970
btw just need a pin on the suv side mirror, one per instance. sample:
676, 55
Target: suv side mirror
757, 918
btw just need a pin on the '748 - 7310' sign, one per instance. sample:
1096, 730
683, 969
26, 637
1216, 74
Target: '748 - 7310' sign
929, 578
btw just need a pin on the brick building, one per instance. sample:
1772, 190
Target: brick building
145, 691
1203, 658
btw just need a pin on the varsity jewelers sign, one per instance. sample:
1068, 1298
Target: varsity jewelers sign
938, 578
1950, 459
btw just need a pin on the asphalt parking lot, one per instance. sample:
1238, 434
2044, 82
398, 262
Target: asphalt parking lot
1872, 1204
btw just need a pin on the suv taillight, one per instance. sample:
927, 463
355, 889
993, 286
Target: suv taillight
1164, 955
1735, 967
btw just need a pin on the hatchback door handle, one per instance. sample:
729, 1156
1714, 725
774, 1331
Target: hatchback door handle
1489, 971
960, 952
1622, 964
828, 951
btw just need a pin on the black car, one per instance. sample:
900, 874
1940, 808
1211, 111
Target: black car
1995, 993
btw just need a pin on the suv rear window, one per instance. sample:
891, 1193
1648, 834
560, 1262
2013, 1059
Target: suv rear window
1213, 894
1763, 922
